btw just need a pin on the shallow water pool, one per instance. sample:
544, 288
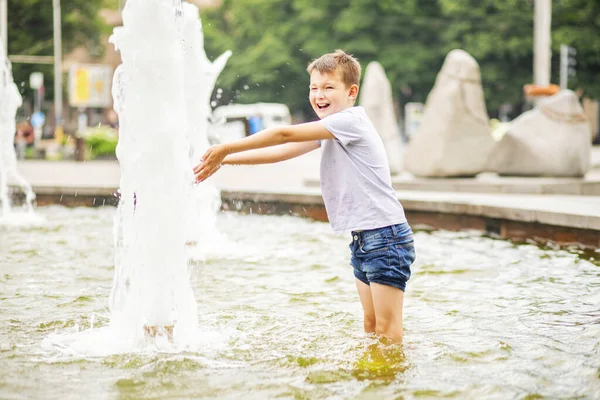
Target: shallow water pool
483, 318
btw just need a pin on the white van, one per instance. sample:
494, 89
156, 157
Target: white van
236, 121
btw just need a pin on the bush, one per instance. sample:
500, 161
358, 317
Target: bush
101, 141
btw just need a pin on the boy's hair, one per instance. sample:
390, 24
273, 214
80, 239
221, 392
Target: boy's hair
348, 66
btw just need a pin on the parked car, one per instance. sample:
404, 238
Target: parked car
236, 121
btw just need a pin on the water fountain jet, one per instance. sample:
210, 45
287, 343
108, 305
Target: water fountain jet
161, 93
10, 101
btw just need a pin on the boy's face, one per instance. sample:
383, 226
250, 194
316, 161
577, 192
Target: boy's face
329, 94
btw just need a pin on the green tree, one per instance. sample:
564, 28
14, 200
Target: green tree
577, 23
265, 64
273, 40
499, 35
30, 32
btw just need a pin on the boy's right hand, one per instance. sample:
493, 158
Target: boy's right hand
210, 162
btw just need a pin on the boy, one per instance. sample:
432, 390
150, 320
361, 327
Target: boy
355, 183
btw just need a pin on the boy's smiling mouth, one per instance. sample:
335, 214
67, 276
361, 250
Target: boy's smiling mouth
323, 106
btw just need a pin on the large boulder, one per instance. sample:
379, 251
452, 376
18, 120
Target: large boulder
376, 98
553, 139
454, 137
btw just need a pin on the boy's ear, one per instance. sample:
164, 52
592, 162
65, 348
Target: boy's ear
353, 92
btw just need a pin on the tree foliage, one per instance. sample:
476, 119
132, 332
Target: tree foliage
30, 32
273, 41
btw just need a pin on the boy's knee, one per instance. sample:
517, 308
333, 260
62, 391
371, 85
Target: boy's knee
383, 325
370, 323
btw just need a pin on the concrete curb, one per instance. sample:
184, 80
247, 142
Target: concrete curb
563, 218
554, 217
506, 185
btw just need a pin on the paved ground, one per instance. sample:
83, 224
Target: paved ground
106, 174
292, 176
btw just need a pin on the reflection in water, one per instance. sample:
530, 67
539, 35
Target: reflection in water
483, 318
381, 361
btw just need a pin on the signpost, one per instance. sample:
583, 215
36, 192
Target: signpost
567, 64
36, 80
58, 82
90, 85
36, 83
37, 120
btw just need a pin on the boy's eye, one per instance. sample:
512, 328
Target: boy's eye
329, 87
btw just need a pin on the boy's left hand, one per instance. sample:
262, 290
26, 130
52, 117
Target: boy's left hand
210, 162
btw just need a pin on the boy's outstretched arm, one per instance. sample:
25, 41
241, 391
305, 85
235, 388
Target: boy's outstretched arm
271, 154
212, 159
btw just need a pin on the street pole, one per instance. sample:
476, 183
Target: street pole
58, 99
541, 42
567, 64
4, 22
36, 101
564, 65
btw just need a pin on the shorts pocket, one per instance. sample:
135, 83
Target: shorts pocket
374, 243
406, 253
403, 235
405, 242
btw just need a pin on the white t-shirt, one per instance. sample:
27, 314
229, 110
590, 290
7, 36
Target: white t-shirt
355, 176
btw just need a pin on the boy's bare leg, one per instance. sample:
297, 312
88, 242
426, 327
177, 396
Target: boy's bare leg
387, 303
364, 292
153, 330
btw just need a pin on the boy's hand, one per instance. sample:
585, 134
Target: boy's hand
210, 162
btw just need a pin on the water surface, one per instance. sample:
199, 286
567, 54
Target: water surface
483, 318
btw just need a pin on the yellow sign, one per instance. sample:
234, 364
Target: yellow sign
89, 85
82, 91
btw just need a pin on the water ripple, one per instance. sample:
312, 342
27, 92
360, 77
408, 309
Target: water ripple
484, 318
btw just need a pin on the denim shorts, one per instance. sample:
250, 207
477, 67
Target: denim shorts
383, 255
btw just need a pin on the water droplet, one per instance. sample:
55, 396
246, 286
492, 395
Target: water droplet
246, 87
219, 90
213, 103
218, 96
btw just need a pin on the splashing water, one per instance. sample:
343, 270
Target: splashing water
160, 93
200, 77
151, 286
10, 101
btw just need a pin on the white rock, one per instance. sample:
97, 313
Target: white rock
454, 137
553, 139
376, 98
